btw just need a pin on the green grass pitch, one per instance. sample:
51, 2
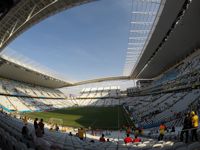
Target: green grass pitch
94, 117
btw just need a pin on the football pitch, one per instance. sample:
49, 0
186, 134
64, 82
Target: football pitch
94, 117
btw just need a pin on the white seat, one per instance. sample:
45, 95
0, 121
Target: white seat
141, 145
158, 145
169, 143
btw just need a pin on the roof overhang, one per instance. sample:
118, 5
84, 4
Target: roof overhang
102, 80
20, 17
182, 40
16, 72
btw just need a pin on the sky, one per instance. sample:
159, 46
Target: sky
84, 42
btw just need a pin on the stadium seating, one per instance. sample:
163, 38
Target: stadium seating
15, 88
22, 97
10, 133
161, 108
167, 99
100, 92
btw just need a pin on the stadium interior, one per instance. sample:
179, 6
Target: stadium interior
163, 58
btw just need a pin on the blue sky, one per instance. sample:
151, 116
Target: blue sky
84, 42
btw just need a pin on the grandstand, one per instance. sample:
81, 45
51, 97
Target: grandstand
100, 92
163, 55
23, 89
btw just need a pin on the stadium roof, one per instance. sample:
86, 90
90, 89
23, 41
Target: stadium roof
144, 17
176, 35
102, 79
21, 16
172, 35
15, 71
25, 13
15, 17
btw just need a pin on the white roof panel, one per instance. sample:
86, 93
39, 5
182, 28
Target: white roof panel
143, 16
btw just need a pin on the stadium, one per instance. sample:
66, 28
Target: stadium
153, 98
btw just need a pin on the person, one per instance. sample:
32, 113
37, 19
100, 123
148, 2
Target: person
195, 125
25, 119
128, 130
108, 140
56, 127
162, 129
136, 139
41, 125
70, 134
35, 123
187, 124
127, 139
173, 129
136, 132
92, 141
102, 139
1, 110
81, 133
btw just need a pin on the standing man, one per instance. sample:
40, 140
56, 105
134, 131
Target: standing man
102, 139
35, 123
162, 129
41, 125
81, 133
195, 125
186, 126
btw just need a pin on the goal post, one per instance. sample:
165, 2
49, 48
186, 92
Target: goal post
54, 121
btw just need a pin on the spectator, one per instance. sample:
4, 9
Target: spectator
70, 134
102, 139
35, 123
92, 141
25, 120
1, 110
108, 140
136, 139
128, 130
41, 125
186, 126
51, 129
162, 129
81, 133
56, 128
136, 132
128, 139
173, 129
195, 125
